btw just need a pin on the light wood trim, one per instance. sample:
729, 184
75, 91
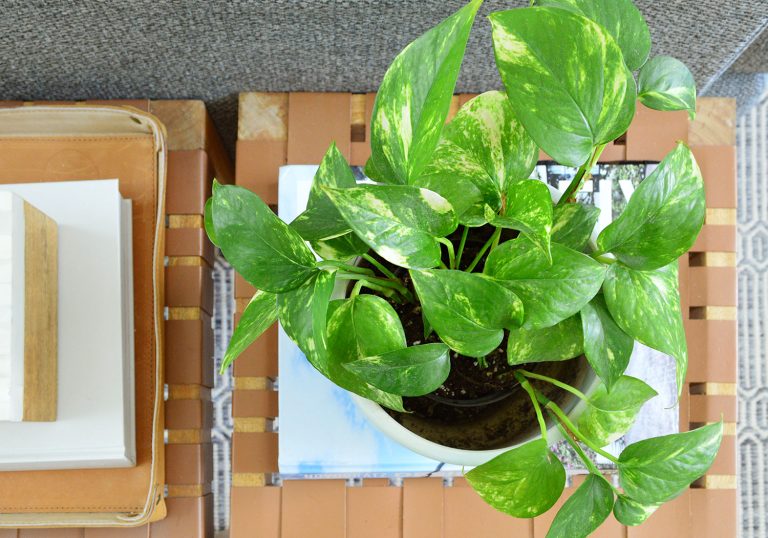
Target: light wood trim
727, 313
729, 428
192, 490
716, 481
188, 437
252, 383
184, 313
249, 480
712, 259
41, 299
715, 123
251, 424
720, 216
262, 116
713, 389
186, 261
185, 221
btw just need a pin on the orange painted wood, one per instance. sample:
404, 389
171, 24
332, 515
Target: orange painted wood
187, 285
713, 513
711, 408
672, 519
50, 533
243, 289
716, 238
189, 464
254, 403
188, 415
711, 350
315, 508
653, 134
189, 182
423, 508
374, 512
260, 359
190, 517
314, 121
466, 514
712, 286
254, 452
258, 164
718, 168
725, 462
255, 512
189, 352
188, 242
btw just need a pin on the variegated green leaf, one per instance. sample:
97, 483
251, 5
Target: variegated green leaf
570, 93
559, 342
483, 150
646, 305
528, 210
303, 312
632, 513
413, 371
257, 317
261, 247
522, 482
622, 20
414, 99
550, 292
609, 415
658, 469
359, 327
667, 84
321, 219
341, 248
572, 224
662, 218
607, 347
467, 310
400, 222
584, 511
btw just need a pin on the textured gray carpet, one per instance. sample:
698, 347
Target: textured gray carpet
213, 50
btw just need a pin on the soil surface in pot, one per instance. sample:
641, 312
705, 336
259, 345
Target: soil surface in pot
481, 406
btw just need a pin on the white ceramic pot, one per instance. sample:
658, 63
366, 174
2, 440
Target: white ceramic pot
470, 458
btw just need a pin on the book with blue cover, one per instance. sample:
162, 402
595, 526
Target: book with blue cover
322, 432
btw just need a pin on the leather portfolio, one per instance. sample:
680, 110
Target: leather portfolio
64, 143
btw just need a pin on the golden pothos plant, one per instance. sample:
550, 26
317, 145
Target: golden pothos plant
573, 71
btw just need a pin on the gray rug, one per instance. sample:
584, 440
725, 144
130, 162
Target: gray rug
752, 262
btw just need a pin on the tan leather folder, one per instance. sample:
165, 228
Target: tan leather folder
59, 143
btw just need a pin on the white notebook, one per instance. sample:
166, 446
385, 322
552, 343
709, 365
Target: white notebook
95, 424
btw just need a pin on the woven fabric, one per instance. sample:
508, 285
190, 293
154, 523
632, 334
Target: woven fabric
752, 133
213, 50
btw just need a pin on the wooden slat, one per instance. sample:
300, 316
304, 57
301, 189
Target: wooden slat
712, 286
190, 517
713, 513
255, 512
262, 116
374, 512
653, 134
254, 452
718, 168
315, 508
466, 514
254, 403
708, 408
672, 519
423, 508
314, 121
260, 359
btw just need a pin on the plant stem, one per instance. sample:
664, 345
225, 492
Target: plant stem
581, 176
449, 248
555, 382
384, 283
370, 259
462, 242
486, 246
532, 395
602, 258
360, 284
344, 266
583, 456
568, 424
579, 451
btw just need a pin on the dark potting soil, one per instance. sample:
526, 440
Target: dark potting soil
481, 405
